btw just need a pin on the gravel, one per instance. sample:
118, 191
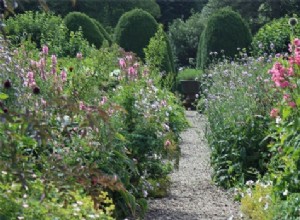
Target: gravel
192, 195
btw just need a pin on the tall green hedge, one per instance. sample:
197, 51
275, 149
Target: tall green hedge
225, 30
103, 31
274, 36
134, 30
91, 32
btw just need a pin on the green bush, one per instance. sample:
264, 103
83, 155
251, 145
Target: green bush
76, 20
35, 29
237, 103
274, 36
184, 35
103, 31
225, 31
134, 30
40, 28
189, 74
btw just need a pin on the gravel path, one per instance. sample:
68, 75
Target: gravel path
193, 195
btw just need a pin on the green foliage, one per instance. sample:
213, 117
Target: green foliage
33, 203
87, 129
289, 208
35, 29
78, 21
106, 12
103, 31
274, 36
258, 202
159, 57
171, 10
184, 35
134, 31
237, 103
225, 31
189, 74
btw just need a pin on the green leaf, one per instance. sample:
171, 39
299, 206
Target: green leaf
3, 96
298, 101
286, 113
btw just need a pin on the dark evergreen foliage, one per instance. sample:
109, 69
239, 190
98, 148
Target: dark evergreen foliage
225, 31
76, 20
134, 30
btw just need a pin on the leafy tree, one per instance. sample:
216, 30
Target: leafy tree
107, 12
184, 38
172, 9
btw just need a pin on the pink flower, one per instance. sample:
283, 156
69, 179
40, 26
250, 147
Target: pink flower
297, 42
30, 79
292, 104
132, 72
122, 63
274, 113
286, 97
104, 100
82, 106
79, 56
63, 75
168, 143
45, 50
129, 57
54, 60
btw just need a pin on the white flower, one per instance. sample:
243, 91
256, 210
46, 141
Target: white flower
285, 193
266, 206
249, 183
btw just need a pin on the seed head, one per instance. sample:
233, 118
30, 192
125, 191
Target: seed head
36, 90
7, 84
293, 22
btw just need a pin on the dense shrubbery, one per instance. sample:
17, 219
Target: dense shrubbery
237, 103
225, 31
184, 38
76, 21
37, 29
134, 30
103, 31
274, 36
159, 57
253, 131
82, 132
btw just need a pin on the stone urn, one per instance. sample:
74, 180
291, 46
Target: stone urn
189, 89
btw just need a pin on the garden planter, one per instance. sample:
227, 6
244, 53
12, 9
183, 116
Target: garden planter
189, 89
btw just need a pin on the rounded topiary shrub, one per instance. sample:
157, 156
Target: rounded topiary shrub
225, 31
103, 31
274, 36
134, 30
76, 20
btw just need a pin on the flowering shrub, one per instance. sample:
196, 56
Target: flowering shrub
82, 132
236, 99
282, 170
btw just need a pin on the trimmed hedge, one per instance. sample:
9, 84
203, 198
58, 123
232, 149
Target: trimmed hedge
225, 30
278, 33
103, 31
134, 30
91, 32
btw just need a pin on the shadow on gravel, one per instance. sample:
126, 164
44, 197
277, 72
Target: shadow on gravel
164, 214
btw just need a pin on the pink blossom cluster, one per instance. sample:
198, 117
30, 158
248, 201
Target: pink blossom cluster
129, 66
283, 76
280, 75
